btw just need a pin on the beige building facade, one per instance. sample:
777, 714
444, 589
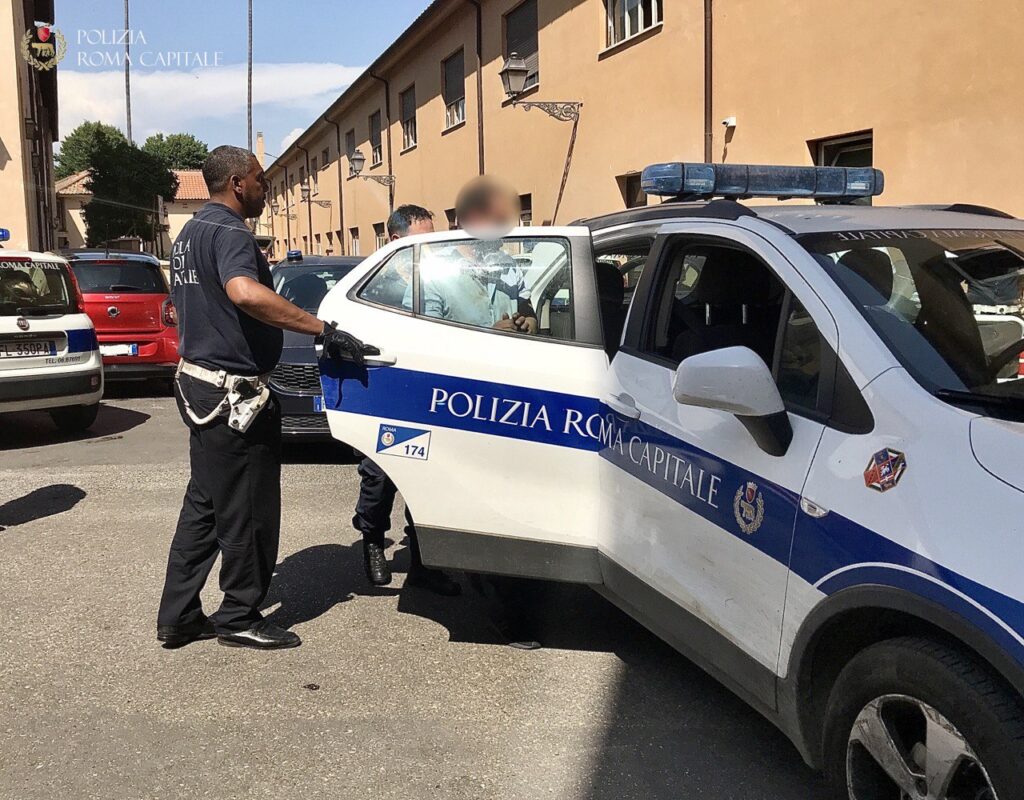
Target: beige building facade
28, 129
72, 195
927, 90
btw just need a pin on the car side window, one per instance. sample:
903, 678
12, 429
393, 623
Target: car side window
517, 285
800, 354
710, 297
617, 272
391, 284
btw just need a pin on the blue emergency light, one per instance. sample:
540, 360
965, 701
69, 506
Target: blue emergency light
294, 255
738, 181
5, 235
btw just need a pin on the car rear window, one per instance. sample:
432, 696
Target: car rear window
122, 276
34, 287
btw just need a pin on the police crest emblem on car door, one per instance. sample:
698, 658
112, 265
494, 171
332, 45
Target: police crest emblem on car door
394, 440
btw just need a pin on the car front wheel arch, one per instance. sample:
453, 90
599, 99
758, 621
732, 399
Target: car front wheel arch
854, 619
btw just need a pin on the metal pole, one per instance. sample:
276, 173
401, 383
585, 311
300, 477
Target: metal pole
249, 100
709, 136
127, 73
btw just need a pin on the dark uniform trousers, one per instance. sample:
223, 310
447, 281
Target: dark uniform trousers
232, 507
373, 509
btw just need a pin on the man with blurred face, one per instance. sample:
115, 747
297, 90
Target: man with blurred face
230, 323
376, 490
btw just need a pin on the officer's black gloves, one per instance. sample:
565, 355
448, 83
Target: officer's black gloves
339, 344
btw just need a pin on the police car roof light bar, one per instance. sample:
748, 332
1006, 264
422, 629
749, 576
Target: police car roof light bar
5, 235
740, 181
294, 255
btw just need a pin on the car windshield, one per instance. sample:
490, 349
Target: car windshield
120, 276
33, 288
948, 303
307, 286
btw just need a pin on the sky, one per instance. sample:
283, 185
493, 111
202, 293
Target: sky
188, 71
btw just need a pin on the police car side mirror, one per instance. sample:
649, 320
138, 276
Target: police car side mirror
736, 379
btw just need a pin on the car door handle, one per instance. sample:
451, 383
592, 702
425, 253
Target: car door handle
381, 360
623, 405
812, 509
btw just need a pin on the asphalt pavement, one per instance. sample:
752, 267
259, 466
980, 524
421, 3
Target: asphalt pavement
395, 693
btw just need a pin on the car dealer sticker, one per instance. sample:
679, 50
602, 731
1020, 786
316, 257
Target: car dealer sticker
393, 440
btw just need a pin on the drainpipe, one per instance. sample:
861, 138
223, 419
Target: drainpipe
709, 136
287, 210
479, 82
387, 116
309, 204
341, 205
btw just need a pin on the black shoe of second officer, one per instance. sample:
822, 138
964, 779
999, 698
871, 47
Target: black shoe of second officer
376, 562
180, 635
261, 636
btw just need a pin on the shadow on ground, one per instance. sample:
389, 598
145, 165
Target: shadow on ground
673, 731
43, 502
24, 429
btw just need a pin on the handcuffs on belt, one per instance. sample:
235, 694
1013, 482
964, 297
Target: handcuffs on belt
246, 395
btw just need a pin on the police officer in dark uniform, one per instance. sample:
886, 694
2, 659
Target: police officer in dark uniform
230, 324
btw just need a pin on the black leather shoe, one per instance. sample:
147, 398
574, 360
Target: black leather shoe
262, 636
179, 635
433, 580
377, 570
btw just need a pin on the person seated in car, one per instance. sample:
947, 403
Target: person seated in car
478, 283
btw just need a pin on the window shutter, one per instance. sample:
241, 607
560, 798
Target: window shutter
408, 104
375, 129
455, 78
521, 37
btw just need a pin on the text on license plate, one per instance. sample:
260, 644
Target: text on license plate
119, 349
28, 349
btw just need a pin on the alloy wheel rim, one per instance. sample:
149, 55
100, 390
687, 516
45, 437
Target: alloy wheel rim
900, 746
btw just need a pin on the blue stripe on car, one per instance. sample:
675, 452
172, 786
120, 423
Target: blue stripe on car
832, 552
82, 340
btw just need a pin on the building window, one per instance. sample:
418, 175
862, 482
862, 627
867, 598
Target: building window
521, 38
316, 238
628, 18
376, 151
845, 151
454, 69
353, 241
305, 245
632, 194
325, 157
453, 222
350, 143
380, 235
302, 176
852, 150
330, 243
314, 173
525, 209
407, 102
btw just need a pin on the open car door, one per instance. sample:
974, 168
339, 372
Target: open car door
491, 435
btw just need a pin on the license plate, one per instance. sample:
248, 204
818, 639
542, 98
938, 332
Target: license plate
28, 349
119, 349
318, 403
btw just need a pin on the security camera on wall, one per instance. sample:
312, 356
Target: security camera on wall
729, 122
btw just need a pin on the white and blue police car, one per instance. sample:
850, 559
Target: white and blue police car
49, 356
788, 439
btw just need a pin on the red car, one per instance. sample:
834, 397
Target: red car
129, 302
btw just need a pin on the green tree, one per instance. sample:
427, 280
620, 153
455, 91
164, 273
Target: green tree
177, 150
124, 182
77, 148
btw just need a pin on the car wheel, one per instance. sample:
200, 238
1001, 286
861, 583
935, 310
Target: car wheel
916, 719
72, 419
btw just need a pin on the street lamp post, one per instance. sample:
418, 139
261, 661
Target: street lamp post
514, 75
357, 161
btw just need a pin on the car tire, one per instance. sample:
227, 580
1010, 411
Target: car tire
904, 699
72, 419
